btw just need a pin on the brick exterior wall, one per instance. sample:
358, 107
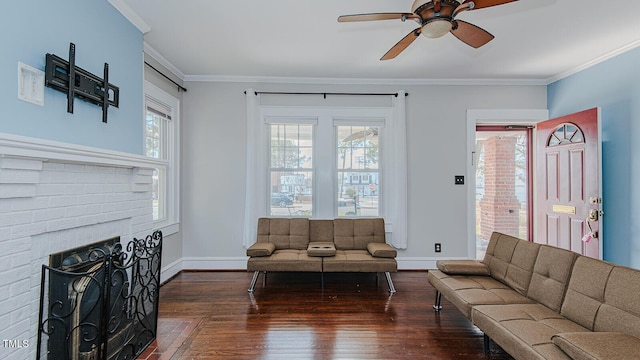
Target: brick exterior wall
499, 205
48, 207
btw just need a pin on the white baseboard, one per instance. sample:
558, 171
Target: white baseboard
214, 263
240, 263
170, 270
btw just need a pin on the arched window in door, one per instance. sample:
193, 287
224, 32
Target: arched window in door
565, 134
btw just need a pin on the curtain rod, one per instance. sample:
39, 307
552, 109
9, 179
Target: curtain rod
325, 93
180, 87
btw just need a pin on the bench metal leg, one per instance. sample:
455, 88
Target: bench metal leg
437, 305
392, 289
487, 344
253, 281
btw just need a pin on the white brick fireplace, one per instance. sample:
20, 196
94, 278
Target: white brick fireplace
55, 197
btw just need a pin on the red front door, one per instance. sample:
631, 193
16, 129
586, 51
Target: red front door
568, 183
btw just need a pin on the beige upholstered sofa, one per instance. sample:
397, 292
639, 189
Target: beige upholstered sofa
304, 245
542, 302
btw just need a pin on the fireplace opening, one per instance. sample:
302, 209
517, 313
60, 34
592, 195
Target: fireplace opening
100, 301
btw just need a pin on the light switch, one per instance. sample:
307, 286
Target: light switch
30, 84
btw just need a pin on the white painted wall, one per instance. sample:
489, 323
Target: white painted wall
214, 133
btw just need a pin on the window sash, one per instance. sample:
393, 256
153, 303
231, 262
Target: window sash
161, 142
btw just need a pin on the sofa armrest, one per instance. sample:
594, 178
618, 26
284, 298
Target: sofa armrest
261, 249
463, 267
598, 345
382, 250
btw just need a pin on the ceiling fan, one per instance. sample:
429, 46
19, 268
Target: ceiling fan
436, 18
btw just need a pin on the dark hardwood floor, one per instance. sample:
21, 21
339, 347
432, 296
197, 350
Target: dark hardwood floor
354, 317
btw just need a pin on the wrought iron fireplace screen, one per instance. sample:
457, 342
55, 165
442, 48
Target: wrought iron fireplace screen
102, 301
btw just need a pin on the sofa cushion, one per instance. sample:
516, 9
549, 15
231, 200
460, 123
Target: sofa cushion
621, 309
598, 345
462, 267
284, 233
261, 249
465, 291
285, 260
585, 293
321, 230
356, 234
498, 254
382, 250
358, 261
511, 260
551, 276
524, 329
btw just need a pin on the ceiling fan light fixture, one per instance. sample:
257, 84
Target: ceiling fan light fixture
436, 28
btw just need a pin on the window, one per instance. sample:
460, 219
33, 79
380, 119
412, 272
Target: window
325, 162
161, 144
565, 134
291, 169
341, 150
358, 170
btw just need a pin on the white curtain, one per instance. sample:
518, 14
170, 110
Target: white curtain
256, 176
395, 173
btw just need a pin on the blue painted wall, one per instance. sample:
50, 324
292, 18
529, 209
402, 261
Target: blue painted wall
614, 86
31, 28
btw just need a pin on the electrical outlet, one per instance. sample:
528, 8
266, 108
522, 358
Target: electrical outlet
438, 247
459, 180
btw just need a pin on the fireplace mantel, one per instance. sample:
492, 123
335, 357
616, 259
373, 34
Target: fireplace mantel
45, 150
57, 196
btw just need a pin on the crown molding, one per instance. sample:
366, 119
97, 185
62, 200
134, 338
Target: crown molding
163, 61
594, 62
131, 15
358, 81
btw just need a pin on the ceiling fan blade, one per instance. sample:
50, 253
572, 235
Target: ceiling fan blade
377, 16
479, 4
401, 45
470, 34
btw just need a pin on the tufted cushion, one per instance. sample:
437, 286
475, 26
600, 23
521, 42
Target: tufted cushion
598, 345
585, 294
621, 308
551, 276
356, 234
284, 233
511, 260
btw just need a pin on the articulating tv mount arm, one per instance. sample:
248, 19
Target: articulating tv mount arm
65, 76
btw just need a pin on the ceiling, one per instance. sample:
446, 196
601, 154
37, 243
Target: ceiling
535, 40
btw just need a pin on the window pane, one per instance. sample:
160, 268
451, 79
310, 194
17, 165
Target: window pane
154, 135
291, 175
358, 175
357, 147
159, 194
358, 194
291, 146
291, 193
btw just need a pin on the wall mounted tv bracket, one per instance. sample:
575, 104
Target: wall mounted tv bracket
65, 76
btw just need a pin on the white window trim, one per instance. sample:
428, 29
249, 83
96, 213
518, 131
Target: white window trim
171, 223
393, 203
